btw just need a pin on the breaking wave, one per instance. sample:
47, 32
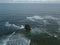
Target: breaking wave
43, 18
16, 39
7, 24
7, 39
49, 25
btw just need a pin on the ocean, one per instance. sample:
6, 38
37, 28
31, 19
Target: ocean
43, 18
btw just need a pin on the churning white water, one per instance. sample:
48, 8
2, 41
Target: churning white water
6, 40
16, 39
7, 24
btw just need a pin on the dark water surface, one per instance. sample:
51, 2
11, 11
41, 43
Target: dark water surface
43, 18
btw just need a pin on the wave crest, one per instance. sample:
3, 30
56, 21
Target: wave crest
7, 24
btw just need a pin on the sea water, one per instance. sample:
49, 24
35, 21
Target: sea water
43, 18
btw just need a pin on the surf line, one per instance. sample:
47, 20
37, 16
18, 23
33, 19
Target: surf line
5, 42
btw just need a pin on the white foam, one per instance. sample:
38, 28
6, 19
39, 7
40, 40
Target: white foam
6, 40
37, 31
50, 17
22, 27
18, 39
37, 17
33, 18
41, 18
7, 24
30, 18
